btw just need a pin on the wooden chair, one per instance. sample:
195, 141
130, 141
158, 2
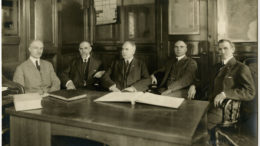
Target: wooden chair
7, 101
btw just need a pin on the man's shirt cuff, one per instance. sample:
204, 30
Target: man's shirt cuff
68, 82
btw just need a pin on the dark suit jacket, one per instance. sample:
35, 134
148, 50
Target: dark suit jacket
185, 73
137, 77
235, 80
75, 72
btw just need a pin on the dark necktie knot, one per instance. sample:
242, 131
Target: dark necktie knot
85, 60
127, 63
37, 65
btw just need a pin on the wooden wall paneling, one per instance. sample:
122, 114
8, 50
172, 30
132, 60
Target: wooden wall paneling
86, 5
107, 58
14, 47
72, 17
122, 20
45, 27
44, 21
109, 33
164, 20
158, 31
92, 22
212, 31
140, 23
71, 21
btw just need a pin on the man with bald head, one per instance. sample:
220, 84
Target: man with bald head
83, 71
35, 74
179, 73
127, 74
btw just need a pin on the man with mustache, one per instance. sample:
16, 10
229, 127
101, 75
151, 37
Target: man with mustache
35, 74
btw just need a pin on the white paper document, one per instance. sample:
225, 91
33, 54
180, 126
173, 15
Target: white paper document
28, 101
4, 88
146, 98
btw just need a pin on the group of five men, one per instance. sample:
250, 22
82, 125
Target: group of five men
231, 81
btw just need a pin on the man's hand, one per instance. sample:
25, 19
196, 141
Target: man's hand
191, 92
154, 80
113, 88
99, 74
130, 89
70, 85
166, 92
219, 99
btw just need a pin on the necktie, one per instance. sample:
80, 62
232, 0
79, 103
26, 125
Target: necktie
85, 67
126, 69
37, 65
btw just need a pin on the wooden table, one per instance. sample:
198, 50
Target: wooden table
118, 124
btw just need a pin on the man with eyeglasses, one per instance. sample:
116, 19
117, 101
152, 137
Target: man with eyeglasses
35, 74
83, 71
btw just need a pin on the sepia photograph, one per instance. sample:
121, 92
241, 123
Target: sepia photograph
129, 72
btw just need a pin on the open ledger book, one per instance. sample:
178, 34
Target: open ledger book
146, 98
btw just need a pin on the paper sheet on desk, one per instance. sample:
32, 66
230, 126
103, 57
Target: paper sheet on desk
119, 96
159, 100
4, 88
28, 101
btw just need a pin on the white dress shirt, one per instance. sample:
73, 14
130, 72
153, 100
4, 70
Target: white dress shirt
129, 60
226, 60
34, 60
180, 57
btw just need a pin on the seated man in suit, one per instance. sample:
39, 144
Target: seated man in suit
232, 80
179, 73
35, 74
128, 73
83, 71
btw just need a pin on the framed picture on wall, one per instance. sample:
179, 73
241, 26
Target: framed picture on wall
237, 20
10, 18
183, 17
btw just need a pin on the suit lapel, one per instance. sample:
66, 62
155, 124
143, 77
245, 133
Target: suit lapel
90, 66
132, 66
169, 67
33, 67
79, 67
121, 66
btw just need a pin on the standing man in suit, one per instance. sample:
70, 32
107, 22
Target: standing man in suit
179, 73
83, 71
232, 80
128, 74
35, 74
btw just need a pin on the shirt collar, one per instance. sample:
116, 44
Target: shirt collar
180, 57
86, 58
34, 60
226, 60
129, 60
